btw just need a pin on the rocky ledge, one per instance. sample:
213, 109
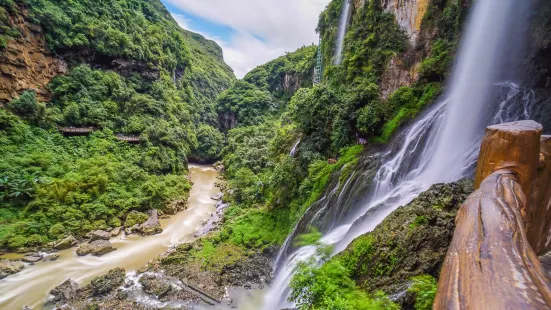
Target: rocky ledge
8, 267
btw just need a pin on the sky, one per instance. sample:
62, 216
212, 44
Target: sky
251, 32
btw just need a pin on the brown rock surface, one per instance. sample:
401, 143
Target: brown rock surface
26, 62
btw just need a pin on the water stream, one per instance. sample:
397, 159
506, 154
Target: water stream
442, 144
31, 286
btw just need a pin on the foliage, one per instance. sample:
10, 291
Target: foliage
134, 218
210, 143
311, 238
51, 186
424, 288
7, 31
297, 67
246, 103
330, 287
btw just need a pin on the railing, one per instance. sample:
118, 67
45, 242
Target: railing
76, 131
492, 262
129, 139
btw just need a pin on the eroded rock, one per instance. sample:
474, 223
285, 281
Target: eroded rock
105, 284
65, 291
116, 231
99, 235
96, 248
32, 259
8, 267
155, 285
152, 226
66, 243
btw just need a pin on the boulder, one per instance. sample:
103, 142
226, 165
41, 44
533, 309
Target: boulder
99, 235
65, 291
66, 243
152, 226
116, 231
155, 285
96, 248
105, 284
51, 257
8, 267
31, 259
134, 218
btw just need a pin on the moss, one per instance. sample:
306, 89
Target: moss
134, 218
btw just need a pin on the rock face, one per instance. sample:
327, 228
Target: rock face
152, 226
26, 62
96, 248
32, 259
116, 231
409, 14
8, 267
66, 243
411, 241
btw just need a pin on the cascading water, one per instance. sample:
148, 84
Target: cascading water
442, 145
343, 25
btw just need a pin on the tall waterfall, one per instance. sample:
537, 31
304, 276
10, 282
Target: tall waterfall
442, 144
343, 25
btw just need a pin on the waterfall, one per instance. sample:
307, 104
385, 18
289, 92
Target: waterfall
343, 24
294, 149
442, 145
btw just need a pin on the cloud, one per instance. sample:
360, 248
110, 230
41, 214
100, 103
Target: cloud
262, 29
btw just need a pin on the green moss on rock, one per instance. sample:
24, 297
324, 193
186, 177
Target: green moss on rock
134, 218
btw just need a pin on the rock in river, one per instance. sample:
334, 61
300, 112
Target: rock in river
8, 267
155, 285
152, 226
65, 291
99, 235
105, 284
96, 248
66, 243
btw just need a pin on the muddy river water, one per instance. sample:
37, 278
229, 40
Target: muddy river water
31, 286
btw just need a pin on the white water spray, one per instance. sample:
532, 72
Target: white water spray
443, 144
343, 25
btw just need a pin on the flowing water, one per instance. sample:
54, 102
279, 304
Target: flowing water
31, 286
442, 144
343, 25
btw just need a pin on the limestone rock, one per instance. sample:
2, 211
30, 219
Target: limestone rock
116, 231
8, 267
155, 285
134, 218
96, 248
51, 257
65, 291
105, 284
32, 259
66, 243
152, 226
99, 235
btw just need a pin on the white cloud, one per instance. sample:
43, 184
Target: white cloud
264, 29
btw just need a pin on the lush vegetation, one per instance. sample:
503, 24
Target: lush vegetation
297, 67
52, 186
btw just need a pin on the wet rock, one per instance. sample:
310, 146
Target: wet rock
51, 257
152, 226
155, 285
8, 267
99, 235
116, 231
96, 248
66, 243
65, 291
105, 284
31, 259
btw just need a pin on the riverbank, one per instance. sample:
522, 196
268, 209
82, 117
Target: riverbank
31, 286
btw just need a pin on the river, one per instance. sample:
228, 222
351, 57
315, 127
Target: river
31, 286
